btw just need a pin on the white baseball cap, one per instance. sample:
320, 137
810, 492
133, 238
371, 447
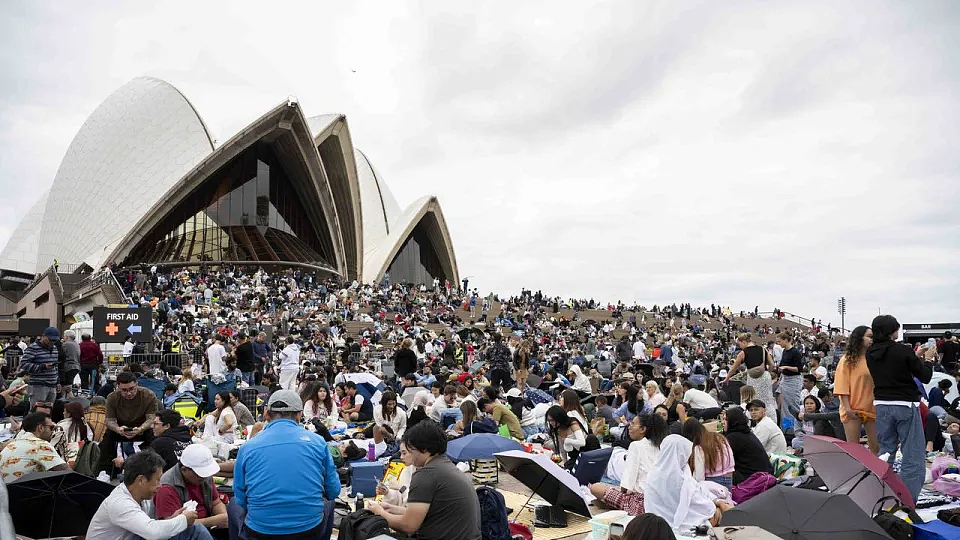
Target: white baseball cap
199, 459
513, 392
723, 373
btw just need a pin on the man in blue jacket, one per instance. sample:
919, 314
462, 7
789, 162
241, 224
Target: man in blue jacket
284, 478
40, 360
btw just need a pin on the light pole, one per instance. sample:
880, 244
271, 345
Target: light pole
842, 310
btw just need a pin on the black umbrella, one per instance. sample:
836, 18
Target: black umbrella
470, 332
57, 503
805, 514
547, 479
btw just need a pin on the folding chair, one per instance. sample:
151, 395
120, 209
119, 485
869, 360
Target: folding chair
213, 389
249, 397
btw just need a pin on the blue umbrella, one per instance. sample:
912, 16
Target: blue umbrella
480, 446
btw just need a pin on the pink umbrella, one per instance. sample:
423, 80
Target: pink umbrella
851, 469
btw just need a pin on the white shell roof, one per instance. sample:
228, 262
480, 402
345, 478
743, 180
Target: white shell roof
20, 253
137, 144
319, 123
375, 253
378, 205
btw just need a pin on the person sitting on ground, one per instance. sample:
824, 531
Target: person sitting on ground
169, 395
31, 450
192, 480
503, 416
805, 425
442, 504
676, 427
712, 456
471, 422
647, 432
130, 412
244, 415
128, 512
110, 385
359, 408
170, 437
395, 493
75, 430
566, 436
748, 454
319, 403
932, 432
570, 402
388, 414
809, 388
827, 421
937, 397
647, 526
581, 383
953, 428
632, 405
269, 500
220, 423
448, 400
186, 382
763, 427
702, 404
605, 411
418, 408
96, 417
673, 493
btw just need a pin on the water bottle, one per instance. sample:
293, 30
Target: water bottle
371, 452
358, 504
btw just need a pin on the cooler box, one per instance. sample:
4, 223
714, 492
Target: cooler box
591, 466
364, 476
935, 530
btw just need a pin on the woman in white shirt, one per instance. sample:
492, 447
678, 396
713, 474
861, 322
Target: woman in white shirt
319, 404
219, 424
387, 414
647, 432
654, 395
566, 435
75, 429
673, 493
186, 382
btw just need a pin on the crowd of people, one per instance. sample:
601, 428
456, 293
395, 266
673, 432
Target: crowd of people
694, 401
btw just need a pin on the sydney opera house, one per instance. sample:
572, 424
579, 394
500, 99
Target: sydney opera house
143, 182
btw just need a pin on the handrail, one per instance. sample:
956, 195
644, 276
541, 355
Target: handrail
799, 320
59, 282
123, 293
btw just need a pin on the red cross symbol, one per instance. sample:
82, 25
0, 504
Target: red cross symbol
112, 329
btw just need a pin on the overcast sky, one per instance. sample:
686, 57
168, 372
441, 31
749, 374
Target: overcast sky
744, 153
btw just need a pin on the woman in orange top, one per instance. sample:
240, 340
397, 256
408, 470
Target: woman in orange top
854, 386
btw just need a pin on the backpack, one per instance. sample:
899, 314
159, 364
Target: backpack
754, 485
362, 525
897, 528
493, 515
338, 460
87, 457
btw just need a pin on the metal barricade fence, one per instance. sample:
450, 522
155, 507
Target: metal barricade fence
166, 360
11, 359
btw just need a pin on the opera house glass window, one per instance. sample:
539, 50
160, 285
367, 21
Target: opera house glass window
417, 260
247, 211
